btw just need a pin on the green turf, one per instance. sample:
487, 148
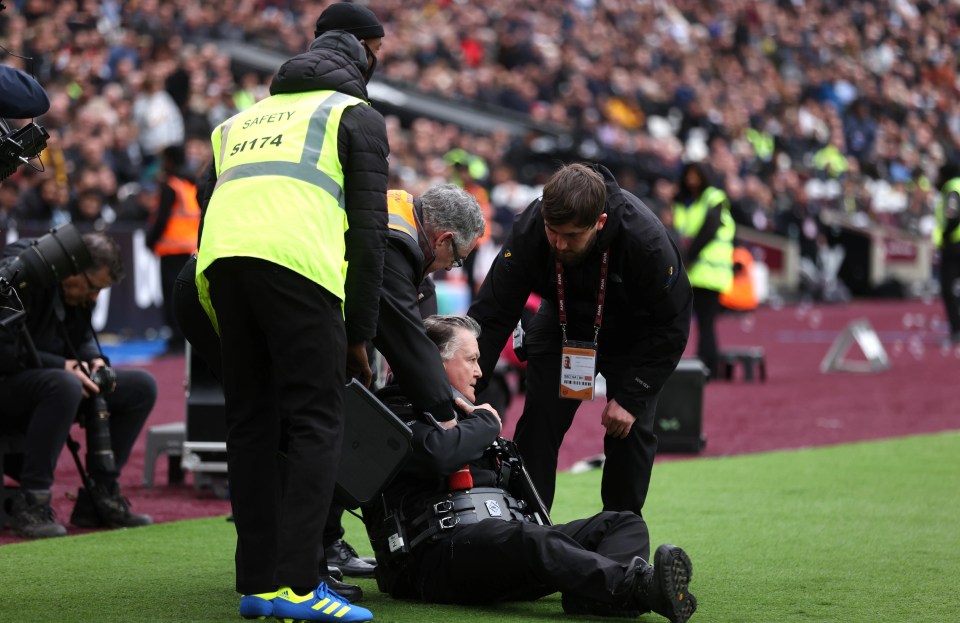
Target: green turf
866, 532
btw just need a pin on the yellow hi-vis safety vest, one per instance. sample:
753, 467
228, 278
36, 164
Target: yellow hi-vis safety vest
400, 214
279, 194
949, 192
713, 268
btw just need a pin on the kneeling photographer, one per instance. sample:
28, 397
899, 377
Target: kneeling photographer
53, 373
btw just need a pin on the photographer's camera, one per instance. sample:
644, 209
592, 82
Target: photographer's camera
96, 421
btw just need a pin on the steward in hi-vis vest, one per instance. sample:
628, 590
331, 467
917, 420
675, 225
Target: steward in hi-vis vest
289, 271
946, 236
427, 234
947, 228
179, 235
174, 233
709, 257
702, 219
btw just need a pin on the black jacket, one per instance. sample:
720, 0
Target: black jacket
646, 317
54, 343
332, 63
413, 357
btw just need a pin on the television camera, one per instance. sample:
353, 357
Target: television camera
18, 146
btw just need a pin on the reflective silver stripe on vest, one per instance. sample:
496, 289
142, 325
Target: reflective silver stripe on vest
396, 221
306, 170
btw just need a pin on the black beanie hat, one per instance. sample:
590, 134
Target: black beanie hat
356, 19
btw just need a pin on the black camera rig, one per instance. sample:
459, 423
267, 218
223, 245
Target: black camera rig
19, 146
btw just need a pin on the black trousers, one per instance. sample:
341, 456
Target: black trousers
949, 274
43, 403
193, 320
706, 308
283, 346
546, 418
509, 561
170, 267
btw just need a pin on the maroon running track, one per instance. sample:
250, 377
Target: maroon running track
797, 406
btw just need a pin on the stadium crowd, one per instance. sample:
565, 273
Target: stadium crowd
800, 106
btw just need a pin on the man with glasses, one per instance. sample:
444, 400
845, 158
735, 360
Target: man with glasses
427, 234
43, 401
615, 300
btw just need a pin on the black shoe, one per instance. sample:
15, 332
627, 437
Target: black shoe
350, 592
104, 507
32, 518
340, 555
663, 587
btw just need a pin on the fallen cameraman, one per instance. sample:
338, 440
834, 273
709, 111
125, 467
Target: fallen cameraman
455, 527
44, 402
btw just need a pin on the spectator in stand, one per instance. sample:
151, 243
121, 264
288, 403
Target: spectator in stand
630, 84
157, 116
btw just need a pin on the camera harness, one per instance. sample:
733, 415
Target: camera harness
445, 512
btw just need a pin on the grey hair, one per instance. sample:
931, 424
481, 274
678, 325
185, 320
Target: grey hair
448, 207
443, 331
105, 252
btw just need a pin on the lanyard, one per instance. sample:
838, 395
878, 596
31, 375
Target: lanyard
561, 301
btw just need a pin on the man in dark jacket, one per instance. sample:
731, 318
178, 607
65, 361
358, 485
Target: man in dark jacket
292, 244
433, 232
454, 526
615, 298
42, 398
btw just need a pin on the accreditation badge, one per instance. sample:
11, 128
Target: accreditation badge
578, 370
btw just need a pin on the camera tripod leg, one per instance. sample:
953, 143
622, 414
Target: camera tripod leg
74, 447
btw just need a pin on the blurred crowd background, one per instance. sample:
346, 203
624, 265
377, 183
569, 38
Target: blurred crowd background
801, 108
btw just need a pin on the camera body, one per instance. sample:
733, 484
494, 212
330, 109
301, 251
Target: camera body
96, 421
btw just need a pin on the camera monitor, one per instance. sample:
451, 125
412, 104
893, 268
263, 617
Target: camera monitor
19, 146
375, 444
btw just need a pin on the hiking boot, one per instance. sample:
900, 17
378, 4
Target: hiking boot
662, 587
321, 604
103, 506
340, 555
259, 606
32, 518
